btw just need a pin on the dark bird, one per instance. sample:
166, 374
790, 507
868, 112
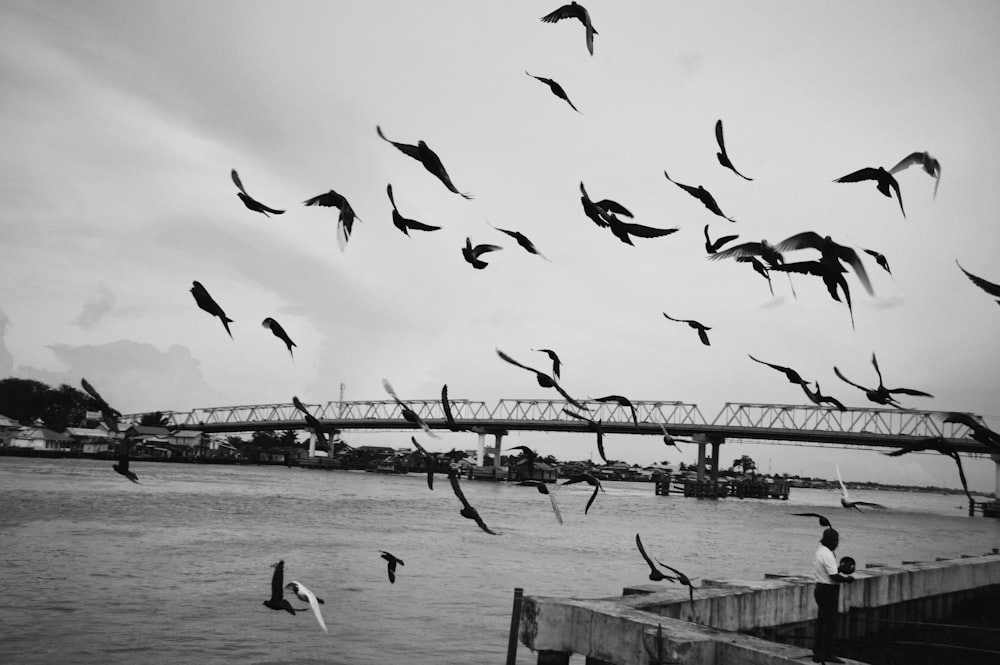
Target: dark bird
404, 224
124, 450
556, 363
722, 154
833, 255
845, 499
713, 246
109, 415
681, 579
303, 593
448, 416
614, 208
249, 201
930, 166
279, 332
883, 179
701, 328
579, 12
988, 287
423, 154
391, 565
765, 250
522, 240
597, 427
428, 460
623, 401
670, 440
790, 374
822, 520
941, 445
832, 276
879, 259
472, 253
881, 394
277, 601
556, 89
467, 510
654, 573
345, 221
819, 399
596, 213
208, 304
977, 430
624, 231
544, 380
585, 477
543, 489
314, 424
702, 195
759, 268
409, 415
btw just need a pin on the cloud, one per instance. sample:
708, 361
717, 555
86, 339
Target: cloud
95, 309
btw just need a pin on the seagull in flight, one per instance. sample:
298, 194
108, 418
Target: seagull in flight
345, 221
930, 165
554, 357
988, 287
722, 154
579, 12
819, 399
109, 415
622, 401
393, 561
822, 520
544, 380
208, 304
409, 415
402, 223
701, 328
977, 430
597, 427
423, 154
303, 593
702, 195
883, 180
585, 477
428, 460
522, 240
790, 374
124, 449
671, 440
473, 252
713, 246
279, 332
541, 486
249, 201
467, 510
941, 445
655, 573
879, 259
845, 499
277, 601
314, 424
556, 89
881, 394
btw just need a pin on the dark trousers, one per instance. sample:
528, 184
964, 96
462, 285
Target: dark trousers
827, 597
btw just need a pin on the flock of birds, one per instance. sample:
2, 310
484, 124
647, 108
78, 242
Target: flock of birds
832, 265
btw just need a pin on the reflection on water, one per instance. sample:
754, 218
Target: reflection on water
100, 570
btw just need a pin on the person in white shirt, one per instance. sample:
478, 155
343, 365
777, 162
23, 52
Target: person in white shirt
827, 594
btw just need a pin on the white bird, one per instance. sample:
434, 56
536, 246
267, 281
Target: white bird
302, 593
845, 500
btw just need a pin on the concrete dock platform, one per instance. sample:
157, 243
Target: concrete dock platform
735, 622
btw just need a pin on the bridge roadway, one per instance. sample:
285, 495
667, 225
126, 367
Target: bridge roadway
885, 428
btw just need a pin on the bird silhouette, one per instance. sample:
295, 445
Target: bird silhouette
759, 268
832, 276
701, 328
392, 561
541, 486
988, 287
596, 213
345, 221
448, 416
819, 399
765, 250
428, 461
591, 480
249, 201
579, 12
124, 453
208, 304
554, 357
655, 573
883, 179
409, 415
277, 601
822, 520
702, 195
790, 374
597, 427
544, 380
404, 224
314, 424
879, 259
881, 394
625, 231
109, 415
473, 252
722, 155
977, 430
670, 440
279, 332
833, 255
930, 166
423, 154
556, 89
681, 578
522, 240
467, 510
303, 593
713, 246
941, 445
845, 499
623, 401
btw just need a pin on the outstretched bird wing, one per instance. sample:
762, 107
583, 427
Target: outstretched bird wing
303, 593
988, 287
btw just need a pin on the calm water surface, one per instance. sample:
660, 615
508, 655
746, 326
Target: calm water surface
96, 569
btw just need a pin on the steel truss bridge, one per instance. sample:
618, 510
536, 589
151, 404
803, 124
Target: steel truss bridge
778, 423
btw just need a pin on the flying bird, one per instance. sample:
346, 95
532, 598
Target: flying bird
404, 224
279, 332
833, 255
722, 154
345, 221
625, 231
124, 450
585, 477
822, 520
879, 259
941, 445
845, 500
428, 460
883, 179
277, 601
579, 12
613, 207
930, 166
467, 510
670, 440
832, 276
522, 240
681, 579
249, 201
819, 399
988, 287
303, 593
473, 252
544, 380
208, 304
654, 573
543, 489
392, 562
109, 415
622, 401
554, 357
713, 246
409, 415
702, 195
759, 268
977, 430
790, 374
881, 394
556, 89
448, 416
314, 424
423, 154
597, 427
701, 328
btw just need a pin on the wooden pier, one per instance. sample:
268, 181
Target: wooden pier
747, 487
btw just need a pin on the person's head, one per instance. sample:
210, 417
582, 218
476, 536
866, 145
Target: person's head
830, 538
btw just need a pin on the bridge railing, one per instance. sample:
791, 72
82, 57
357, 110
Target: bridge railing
886, 422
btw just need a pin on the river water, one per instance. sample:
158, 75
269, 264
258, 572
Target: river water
96, 569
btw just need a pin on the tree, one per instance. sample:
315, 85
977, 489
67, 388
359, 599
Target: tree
27, 401
746, 464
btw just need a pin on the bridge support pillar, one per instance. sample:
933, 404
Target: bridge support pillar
312, 444
704, 460
481, 450
996, 484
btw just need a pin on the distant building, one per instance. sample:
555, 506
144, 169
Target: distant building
522, 470
8, 426
40, 438
93, 440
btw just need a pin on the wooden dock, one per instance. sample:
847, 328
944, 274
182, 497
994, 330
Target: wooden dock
747, 487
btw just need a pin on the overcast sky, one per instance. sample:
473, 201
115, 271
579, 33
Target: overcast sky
121, 121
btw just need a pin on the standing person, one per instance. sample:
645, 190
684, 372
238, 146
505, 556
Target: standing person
827, 594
